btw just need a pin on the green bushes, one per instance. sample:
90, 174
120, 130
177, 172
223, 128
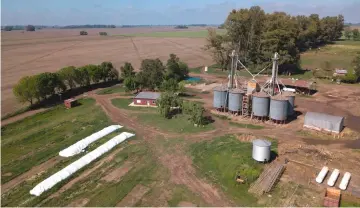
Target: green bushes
83, 32
44, 85
103, 33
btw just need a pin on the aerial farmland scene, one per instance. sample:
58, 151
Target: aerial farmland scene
214, 103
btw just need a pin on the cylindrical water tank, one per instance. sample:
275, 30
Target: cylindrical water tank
278, 108
322, 174
333, 177
260, 104
291, 102
235, 99
261, 150
345, 181
220, 97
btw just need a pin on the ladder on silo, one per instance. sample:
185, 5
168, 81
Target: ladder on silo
246, 108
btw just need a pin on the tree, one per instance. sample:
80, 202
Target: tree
356, 34
127, 71
170, 85
8, 28
26, 89
95, 72
350, 77
103, 33
83, 32
175, 69
151, 74
68, 76
131, 84
347, 33
356, 64
219, 47
48, 84
113, 74
106, 70
82, 76
166, 102
30, 28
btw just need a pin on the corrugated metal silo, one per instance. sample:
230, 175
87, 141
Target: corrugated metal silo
260, 104
235, 99
279, 108
220, 97
291, 102
261, 150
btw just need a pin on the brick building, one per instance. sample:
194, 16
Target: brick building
146, 98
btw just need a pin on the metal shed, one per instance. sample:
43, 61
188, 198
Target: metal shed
322, 121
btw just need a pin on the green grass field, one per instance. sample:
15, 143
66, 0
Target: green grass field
220, 159
112, 90
175, 34
40, 137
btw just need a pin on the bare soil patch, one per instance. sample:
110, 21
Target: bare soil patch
78, 203
186, 204
134, 196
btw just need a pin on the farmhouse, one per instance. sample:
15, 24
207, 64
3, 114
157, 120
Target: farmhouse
146, 98
340, 72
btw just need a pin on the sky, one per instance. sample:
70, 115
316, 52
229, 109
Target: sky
159, 12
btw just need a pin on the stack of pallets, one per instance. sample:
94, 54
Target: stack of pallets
267, 179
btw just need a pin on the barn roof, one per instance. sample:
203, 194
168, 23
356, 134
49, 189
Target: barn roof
296, 83
148, 95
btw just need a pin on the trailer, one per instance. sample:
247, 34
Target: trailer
332, 197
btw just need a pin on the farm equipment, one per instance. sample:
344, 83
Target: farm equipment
332, 197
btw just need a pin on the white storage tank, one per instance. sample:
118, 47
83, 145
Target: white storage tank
322, 174
333, 177
261, 150
345, 181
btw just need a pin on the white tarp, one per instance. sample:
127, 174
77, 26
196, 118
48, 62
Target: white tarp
78, 164
82, 144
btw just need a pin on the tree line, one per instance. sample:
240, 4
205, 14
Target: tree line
41, 86
353, 34
86, 26
154, 75
27, 28
256, 35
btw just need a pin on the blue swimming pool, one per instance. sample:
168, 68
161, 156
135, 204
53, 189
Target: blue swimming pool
193, 79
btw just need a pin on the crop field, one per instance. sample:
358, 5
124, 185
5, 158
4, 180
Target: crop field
173, 34
48, 50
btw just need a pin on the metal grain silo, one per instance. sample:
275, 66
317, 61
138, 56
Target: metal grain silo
261, 150
235, 100
279, 108
220, 97
260, 104
291, 102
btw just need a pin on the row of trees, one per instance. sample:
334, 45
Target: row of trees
170, 103
27, 28
154, 75
87, 26
352, 34
41, 86
256, 35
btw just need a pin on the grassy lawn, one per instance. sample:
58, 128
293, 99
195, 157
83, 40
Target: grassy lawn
220, 159
182, 193
38, 138
112, 90
177, 124
175, 34
339, 54
247, 126
196, 70
123, 103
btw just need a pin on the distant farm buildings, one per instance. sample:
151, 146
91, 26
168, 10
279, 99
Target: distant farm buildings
146, 98
340, 72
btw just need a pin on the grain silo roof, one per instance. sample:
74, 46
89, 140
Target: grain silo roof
279, 97
260, 94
